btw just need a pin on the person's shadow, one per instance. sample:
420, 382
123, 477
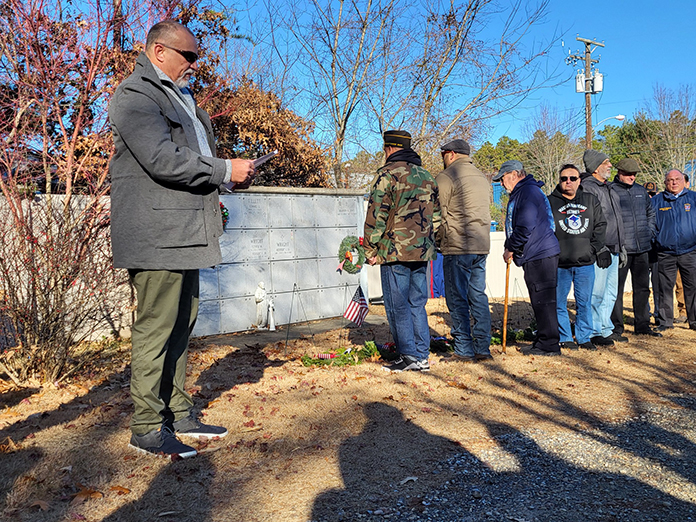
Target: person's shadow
181, 491
388, 460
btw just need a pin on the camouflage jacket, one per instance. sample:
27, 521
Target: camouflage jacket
399, 225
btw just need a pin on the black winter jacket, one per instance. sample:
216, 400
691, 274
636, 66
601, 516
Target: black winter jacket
638, 217
580, 227
611, 207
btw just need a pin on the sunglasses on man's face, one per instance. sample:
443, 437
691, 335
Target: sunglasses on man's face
571, 178
189, 56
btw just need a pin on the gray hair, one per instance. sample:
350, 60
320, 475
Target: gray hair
164, 31
675, 170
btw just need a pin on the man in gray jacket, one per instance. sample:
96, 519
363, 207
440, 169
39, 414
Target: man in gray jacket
606, 281
464, 239
165, 226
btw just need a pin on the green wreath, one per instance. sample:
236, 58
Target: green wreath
349, 246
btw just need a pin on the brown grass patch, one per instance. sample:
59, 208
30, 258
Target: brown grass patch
305, 442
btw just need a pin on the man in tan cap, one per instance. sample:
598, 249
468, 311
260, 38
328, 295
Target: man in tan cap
638, 218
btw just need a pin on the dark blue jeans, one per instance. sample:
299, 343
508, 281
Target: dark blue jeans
405, 292
465, 293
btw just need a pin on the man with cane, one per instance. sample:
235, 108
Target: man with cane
531, 244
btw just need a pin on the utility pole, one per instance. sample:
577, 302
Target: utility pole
593, 82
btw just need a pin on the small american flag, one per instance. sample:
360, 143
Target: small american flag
357, 308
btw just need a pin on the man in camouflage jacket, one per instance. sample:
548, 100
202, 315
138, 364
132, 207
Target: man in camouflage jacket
400, 236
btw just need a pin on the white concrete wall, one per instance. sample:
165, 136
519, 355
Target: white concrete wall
495, 274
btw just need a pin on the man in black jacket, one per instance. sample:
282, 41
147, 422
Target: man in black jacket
580, 229
638, 218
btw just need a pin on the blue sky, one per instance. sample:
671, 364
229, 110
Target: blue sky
646, 42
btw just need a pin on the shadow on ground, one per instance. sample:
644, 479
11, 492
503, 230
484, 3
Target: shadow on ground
615, 473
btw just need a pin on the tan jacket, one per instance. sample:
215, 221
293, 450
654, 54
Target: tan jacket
465, 205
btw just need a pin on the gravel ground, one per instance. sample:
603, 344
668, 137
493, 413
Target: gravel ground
640, 470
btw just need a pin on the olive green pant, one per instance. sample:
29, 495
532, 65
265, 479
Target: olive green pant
167, 309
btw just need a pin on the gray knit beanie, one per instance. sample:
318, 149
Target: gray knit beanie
593, 159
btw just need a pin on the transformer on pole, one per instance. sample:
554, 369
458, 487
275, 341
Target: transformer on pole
590, 81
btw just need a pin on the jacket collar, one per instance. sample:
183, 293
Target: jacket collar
669, 195
407, 155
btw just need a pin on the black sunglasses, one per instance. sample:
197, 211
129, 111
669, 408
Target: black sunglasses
189, 56
571, 178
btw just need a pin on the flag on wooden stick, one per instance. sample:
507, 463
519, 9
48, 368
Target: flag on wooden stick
357, 308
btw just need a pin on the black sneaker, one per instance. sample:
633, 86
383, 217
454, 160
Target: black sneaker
191, 427
483, 357
161, 443
618, 338
532, 350
651, 333
588, 346
406, 363
602, 341
663, 328
570, 345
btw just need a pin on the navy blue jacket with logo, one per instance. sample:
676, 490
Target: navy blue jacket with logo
675, 220
580, 227
529, 223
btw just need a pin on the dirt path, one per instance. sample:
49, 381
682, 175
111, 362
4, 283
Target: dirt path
314, 443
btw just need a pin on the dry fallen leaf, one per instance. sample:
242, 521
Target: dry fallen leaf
120, 490
84, 494
41, 504
8, 446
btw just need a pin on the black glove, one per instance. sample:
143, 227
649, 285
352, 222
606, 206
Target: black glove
604, 259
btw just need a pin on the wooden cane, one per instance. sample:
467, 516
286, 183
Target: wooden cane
505, 309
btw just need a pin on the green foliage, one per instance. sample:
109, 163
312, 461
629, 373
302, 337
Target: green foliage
661, 136
351, 246
489, 158
513, 335
345, 356
498, 214
499, 211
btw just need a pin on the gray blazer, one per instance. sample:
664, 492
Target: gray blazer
165, 210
